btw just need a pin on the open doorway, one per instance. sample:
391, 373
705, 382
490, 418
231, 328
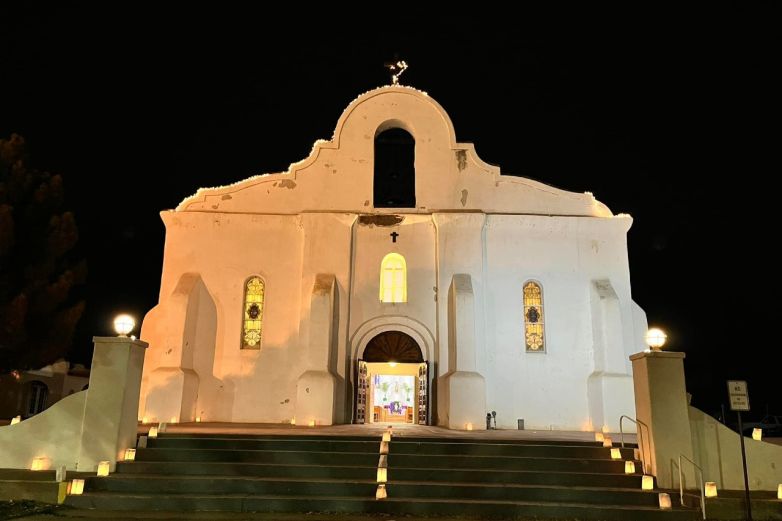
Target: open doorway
392, 381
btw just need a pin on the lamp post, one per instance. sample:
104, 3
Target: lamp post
655, 339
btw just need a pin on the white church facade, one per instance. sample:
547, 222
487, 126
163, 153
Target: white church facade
393, 276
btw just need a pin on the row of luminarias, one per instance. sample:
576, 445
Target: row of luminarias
393, 289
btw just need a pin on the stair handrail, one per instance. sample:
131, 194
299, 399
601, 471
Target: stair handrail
641, 444
681, 484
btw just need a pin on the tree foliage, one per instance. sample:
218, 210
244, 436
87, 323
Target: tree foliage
38, 313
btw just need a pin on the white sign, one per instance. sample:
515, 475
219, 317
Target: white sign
739, 398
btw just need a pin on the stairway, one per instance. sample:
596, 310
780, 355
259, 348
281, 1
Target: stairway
426, 476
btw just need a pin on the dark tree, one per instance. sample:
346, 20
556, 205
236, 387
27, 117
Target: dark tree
38, 313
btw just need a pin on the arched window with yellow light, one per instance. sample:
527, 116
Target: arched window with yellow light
252, 324
393, 278
534, 331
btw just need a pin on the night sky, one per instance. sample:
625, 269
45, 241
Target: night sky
672, 117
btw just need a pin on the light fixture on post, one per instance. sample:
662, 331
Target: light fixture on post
655, 338
124, 324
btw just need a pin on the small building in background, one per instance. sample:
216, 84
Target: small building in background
26, 393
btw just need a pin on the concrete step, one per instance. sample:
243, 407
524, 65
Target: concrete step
247, 469
27, 475
397, 446
36, 490
376, 438
428, 506
597, 479
152, 484
445, 461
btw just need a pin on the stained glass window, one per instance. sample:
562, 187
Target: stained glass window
534, 337
252, 325
393, 279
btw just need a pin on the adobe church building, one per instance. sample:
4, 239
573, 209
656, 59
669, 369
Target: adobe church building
393, 276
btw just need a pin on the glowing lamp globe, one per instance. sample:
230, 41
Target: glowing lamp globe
655, 338
124, 324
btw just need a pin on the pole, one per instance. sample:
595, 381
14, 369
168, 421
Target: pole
744, 461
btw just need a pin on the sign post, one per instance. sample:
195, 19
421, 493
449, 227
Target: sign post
739, 401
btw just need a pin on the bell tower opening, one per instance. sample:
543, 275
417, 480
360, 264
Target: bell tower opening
392, 381
394, 185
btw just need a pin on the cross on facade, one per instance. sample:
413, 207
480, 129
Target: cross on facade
394, 235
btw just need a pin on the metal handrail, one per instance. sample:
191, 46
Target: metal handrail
641, 443
681, 484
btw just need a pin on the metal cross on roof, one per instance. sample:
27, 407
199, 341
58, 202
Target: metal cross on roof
396, 68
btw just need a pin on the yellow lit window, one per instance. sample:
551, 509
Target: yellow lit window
534, 337
252, 325
393, 278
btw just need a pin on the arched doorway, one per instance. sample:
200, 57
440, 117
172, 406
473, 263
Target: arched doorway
392, 381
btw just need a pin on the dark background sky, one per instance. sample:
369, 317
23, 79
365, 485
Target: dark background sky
670, 116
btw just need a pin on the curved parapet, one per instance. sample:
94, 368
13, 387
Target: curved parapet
338, 173
54, 435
